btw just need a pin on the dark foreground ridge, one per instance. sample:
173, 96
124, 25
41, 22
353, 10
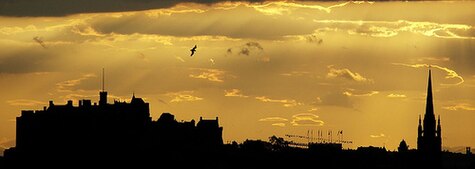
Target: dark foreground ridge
124, 135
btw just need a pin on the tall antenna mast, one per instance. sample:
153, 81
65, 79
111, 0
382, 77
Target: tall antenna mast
102, 79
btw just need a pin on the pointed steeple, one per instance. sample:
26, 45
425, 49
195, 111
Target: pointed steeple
429, 116
429, 104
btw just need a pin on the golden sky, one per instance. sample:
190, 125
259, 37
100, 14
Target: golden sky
266, 68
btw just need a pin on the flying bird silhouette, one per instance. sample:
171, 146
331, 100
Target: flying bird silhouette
193, 50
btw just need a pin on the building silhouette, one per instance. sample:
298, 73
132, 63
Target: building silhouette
106, 133
429, 138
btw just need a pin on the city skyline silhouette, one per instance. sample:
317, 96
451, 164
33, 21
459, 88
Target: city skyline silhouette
94, 134
351, 72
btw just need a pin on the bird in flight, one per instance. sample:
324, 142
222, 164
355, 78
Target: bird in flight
193, 50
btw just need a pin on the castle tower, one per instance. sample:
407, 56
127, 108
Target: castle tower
429, 137
103, 93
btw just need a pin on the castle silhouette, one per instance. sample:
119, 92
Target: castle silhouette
124, 135
68, 132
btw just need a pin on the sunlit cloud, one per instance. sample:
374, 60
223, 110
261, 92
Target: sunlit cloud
285, 102
381, 135
274, 119
346, 74
68, 85
214, 75
306, 119
393, 28
392, 95
285, 7
460, 106
349, 93
295, 73
278, 124
183, 96
234, 93
312, 109
451, 74
24, 102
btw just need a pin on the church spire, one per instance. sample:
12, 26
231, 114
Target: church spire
429, 103
429, 125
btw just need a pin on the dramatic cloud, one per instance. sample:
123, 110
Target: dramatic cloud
234, 93
392, 95
461, 106
62, 8
213, 75
346, 74
68, 85
306, 119
183, 96
451, 74
285, 102
274, 119
24, 102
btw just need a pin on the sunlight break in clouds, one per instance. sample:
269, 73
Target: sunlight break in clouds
346, 74
285, 102
451, 74
213, 75
460, 106
234, 93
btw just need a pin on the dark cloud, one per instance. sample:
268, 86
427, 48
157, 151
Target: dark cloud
36, 8
247, 48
